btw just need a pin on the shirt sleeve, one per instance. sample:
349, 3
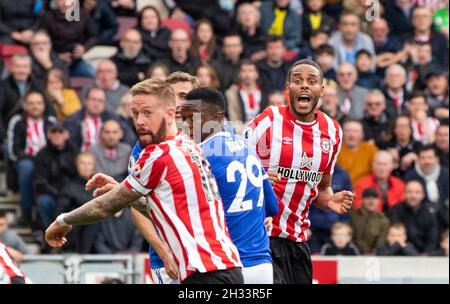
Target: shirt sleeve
147, 172
270, 199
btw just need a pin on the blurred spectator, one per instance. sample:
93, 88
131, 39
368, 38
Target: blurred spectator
318, 38
341, 241
349, 39
17, 20
330, 103
443, 250
420, 223
442, 218
207, 77
155, 37
422, 20
107, 79
440, 19
323, 220
246, 99
362, 9
436, 93
14, 243
273, 69
3, 70
111, 156
356, 155
14, 88
424, 126
394, 90
398, 14
419, 64
375, 122
44, 58
130, 60
441, 143
325, 57
65, 101
81, 239
314, 18
117, 234
388, 47
369, 225
249, 28
277, 98
182, 83
126, 116
70, 40
397, 244
230, 60
401, 145
104, 18
158, 71
124, 7
26, 137
84, 125
366, 77
54, 167
389, 189
278, 19
204, 46
351, 96
180, 58
432, 175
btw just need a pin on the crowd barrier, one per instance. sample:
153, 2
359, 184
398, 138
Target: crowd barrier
134, 269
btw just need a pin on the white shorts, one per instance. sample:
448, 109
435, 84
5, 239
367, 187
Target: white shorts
159, 276
259, 274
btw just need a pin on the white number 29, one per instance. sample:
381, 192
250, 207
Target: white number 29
238, 204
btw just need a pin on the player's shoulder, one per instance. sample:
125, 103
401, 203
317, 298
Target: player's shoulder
332, 123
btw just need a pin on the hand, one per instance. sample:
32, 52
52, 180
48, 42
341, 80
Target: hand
44, 58
342, 202
268, 222
171, 268
258, 56
55, 235
102, 183
273, 177
57, 95
66, 56
27, 35
408, 160
441, 113
421, 116
141, 76
78, 51
16, 36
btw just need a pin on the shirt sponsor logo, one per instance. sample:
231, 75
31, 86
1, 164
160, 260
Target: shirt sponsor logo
300, 175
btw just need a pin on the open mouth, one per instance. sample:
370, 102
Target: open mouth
304, 98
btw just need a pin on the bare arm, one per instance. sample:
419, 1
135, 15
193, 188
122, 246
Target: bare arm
325, 192
340, 202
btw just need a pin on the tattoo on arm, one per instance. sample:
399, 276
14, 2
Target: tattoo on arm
102, 207
141, 206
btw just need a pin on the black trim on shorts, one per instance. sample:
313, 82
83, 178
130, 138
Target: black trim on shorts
228, 276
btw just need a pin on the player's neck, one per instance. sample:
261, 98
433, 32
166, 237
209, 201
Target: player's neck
310, 117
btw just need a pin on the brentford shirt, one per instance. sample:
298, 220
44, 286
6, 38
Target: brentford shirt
301, 153
185, 205
8, 268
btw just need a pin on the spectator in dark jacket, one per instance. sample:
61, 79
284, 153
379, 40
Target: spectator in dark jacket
17, 20
124, 7
249, 29
341, 241
394, 89
3, 70
444, 249
437, 93
366, 77
14, 88
441, 143
130, 60
309, 50
54, 167
26, 137
104, 18
70, 39
44, 58
432, 175
397, 244
84, 126
323, 220
420, 223
375, 122
277, 18
73, 195
315, 18
398, 15
155, 37
273, 69
117, 234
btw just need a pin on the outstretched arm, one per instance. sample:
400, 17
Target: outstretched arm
341, 202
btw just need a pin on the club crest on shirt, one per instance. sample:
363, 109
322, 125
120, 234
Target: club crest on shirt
287, 141
325, 144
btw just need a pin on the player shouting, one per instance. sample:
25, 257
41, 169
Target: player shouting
298, 145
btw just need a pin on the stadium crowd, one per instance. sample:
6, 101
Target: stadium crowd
65, 117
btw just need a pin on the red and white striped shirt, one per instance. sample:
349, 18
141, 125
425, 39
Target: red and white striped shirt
302, 153
185, 205
35, 136
8, 268
90, 127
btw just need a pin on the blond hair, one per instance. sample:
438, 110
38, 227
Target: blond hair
341, 225
157, 87
176, 77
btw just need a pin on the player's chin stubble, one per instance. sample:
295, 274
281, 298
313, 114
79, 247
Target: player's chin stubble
156, 138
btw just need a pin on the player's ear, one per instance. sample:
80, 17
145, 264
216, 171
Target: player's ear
170, 114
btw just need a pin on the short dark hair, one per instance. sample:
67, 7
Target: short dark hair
346, 13
274, 38
320, 30
247, 62
325, 49
145, 8
2, 214
417, 94
305, 62
428, 147
208, 95
363, 52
